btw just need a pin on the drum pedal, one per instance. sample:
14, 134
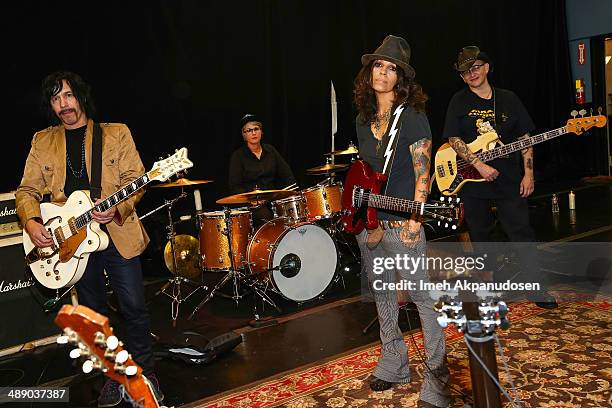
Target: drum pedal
266, 322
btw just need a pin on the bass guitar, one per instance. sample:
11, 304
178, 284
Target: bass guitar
94, 341
74, 232
452, 173
361, 200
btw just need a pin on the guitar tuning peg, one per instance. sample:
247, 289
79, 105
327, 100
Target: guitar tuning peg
446, 225
75, 353
112, 342
122, 357
62, 340
442, 198
87, 366
99, 339
582, 112
131, 370
599, 110
439, 223
454, 227
574, 113
591, 111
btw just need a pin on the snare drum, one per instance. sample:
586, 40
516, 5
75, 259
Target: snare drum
214, 247
291, 207
301, 257
323, 201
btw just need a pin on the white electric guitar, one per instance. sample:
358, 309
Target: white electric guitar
74, 232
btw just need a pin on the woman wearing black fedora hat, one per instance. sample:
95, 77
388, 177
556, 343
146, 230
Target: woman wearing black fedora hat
395, 139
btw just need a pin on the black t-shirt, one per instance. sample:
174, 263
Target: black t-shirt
507, 115
414, 127
76, 171
268, 172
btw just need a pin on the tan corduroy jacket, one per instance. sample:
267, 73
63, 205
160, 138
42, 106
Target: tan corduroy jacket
45, 169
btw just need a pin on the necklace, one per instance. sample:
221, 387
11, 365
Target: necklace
78, 174
380, 126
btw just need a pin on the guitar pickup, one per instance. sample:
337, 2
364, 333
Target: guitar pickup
440, 170
450, 168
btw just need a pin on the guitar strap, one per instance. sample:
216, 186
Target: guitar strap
96, 163
391, 146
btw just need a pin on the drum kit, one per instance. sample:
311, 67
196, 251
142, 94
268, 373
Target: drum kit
295, 254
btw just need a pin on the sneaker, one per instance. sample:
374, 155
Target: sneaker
159, 396
110, 395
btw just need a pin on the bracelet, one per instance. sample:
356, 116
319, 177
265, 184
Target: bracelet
474, 160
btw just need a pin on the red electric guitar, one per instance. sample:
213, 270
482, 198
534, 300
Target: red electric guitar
361, 200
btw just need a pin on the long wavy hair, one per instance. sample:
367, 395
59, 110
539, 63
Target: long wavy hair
53, 84
406, 91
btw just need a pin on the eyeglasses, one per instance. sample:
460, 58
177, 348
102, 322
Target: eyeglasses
251, 130
472, 69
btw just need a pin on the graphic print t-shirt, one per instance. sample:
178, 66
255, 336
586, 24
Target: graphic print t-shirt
507, 115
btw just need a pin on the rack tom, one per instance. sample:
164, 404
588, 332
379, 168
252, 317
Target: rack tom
293, 208
323, 201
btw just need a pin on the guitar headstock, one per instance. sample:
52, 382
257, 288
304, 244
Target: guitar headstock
582, 124
95, 342
447, 211
163, 169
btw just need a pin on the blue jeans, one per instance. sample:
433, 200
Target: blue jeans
125, 276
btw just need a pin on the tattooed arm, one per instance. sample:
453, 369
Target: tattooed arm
487, 172
421, 158
528, 181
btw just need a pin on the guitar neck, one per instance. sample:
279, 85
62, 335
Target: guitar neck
520, 144
395, 204
116, 198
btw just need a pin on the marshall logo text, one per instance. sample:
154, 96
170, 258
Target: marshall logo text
10, 286
8, 211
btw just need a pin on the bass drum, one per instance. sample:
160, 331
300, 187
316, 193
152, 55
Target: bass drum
301, 257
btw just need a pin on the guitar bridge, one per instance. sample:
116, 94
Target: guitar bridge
38, 254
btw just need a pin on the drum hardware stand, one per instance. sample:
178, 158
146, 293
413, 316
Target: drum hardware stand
258, 321
232, 273
177, 280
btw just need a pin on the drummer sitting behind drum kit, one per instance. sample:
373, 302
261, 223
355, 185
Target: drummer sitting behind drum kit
257, 165
285, 242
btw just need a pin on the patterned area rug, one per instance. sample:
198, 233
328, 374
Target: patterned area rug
557, 359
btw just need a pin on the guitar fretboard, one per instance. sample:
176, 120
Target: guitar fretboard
520, 144
394, 203
123, 194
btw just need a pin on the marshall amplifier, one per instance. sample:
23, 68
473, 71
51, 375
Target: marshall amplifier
9, 223
22, 301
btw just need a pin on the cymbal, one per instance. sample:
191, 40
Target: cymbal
256, 195
182, 182
187, 250
327, 168
352, 149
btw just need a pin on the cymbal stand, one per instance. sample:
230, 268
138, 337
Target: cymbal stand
176, 281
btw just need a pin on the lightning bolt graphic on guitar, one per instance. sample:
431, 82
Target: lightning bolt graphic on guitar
392, 133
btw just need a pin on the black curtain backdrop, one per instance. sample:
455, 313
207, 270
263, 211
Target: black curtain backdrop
182, 73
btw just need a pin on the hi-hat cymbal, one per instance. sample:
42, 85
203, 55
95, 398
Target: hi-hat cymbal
256, 195
182, 182
187, 251
327, 168
352, 149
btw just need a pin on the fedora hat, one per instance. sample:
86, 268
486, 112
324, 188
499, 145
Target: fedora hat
393, 49
468, 56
